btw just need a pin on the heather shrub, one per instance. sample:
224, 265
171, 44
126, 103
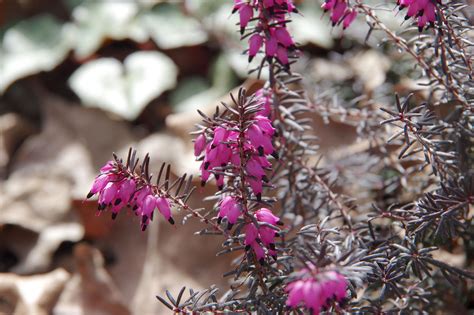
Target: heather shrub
307, 241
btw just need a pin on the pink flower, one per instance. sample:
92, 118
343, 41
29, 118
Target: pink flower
164, 207
282, 56
271, 46
146, 210
257, 187
107, 194
255, 43
328, 5
315, 289
262, 238
340, 12
268, 3
283, 37
261, 141
264, 96
259, 252
251, 234
126, 190
423, 10
107, 167
349, 18
199, 145
266, 215
229, 208
404, 3
245, 13
99, 184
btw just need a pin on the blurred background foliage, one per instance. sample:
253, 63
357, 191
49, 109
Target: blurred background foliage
88, 50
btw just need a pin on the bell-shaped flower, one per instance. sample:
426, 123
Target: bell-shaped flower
245, 14
328, 5
199, 144
349, 18
271, 46
316, 290
255, 43
338, 11
127, 188
229, 208
164, 208
283, 37
266, 215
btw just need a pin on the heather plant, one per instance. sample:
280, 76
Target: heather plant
307, 243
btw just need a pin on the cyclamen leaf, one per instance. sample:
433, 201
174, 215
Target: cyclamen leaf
124, 89
31, 46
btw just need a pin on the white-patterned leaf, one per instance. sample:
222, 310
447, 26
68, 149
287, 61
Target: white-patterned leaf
31, 46
124, 89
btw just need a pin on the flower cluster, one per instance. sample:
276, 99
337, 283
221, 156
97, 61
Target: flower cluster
117, 189
223, 145
262, 237
424, 10
316, 289
270, 30
340, 12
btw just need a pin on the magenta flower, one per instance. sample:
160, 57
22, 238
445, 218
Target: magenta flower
340, 12
221, 148
229, 208
271, 46
265, 97
266, 215
337, 12
199, 144
349, 18
315, 290
245, 13
328, 5
164, 208
423, 10
262, 238
255, 43
283, 37
146, 209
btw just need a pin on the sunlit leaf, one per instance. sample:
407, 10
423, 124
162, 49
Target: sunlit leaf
309, 28
170, 28
124, 89
96, 21
31, 46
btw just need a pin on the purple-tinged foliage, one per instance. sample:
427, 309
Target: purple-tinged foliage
305, 244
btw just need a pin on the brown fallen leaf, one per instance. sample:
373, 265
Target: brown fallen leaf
13, 130
91, 289
26, 295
